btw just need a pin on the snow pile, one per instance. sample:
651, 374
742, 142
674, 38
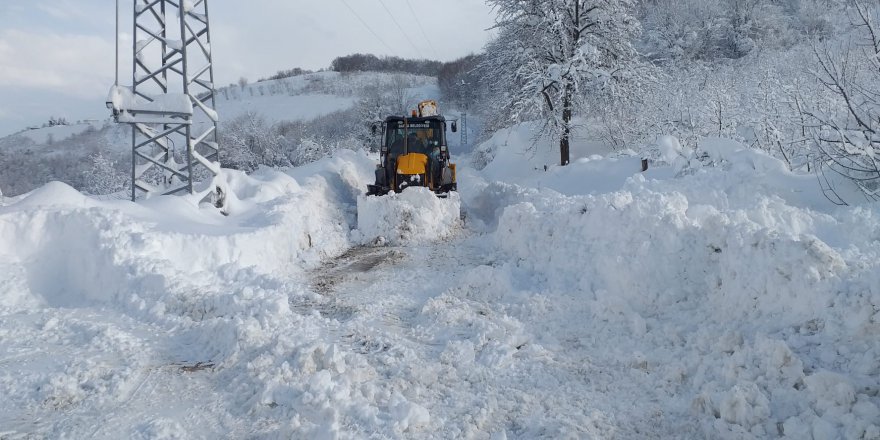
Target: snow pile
666, 150
754, 312
119, 294
720, 297
414, 215
64, 225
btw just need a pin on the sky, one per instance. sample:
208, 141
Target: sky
57, 56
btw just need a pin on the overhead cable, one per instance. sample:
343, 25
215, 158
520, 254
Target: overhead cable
390, 50
405, 35
422, 29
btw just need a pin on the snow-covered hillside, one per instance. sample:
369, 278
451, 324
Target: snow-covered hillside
719, 296
323, 104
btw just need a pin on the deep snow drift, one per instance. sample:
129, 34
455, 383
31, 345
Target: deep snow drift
714, 296
408, 217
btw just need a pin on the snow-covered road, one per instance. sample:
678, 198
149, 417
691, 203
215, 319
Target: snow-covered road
720, 303
439, 326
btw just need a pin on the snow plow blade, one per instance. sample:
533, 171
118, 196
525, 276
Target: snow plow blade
376, 190
442, 192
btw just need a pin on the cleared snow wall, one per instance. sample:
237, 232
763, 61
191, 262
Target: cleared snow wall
63, 249
761, 328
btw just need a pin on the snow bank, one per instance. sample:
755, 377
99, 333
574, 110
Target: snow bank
128, 293
412, 216
758, 313
84, 249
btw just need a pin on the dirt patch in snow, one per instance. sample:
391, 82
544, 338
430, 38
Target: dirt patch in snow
356, 260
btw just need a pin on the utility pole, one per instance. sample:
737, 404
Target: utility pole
464, 139
171, 100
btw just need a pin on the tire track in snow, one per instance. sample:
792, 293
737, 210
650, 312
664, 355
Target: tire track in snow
379, 304
384, 288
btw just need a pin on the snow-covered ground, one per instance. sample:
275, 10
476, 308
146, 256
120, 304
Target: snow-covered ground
312, 95
47, 135
713, 298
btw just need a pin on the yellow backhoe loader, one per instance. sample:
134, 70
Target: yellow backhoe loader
414, 153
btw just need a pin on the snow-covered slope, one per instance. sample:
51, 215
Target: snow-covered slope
312, 95
304, 98
719, 297
48, 135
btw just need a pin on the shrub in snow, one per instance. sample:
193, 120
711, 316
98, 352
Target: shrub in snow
483, 155
248, 141
105, 176
309, 150
666, 150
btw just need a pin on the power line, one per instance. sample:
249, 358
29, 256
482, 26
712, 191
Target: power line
390, 50
405, 35
422, 29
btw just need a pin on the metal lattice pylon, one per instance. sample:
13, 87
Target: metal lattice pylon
464, 136
171, 102
463, 128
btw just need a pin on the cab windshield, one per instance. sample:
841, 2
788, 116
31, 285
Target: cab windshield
414, 137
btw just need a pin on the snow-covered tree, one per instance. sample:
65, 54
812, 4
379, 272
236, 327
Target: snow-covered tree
847, 132
248, 141
104, 176
372, 108
559, 51
499, 64
400, 96
309, 150
712, 30
777, 121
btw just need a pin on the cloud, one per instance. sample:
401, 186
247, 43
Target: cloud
64, 11
72, 64
76, 14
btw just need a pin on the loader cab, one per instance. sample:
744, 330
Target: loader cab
413, 135
413, 152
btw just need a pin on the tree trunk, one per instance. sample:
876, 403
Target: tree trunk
565, 156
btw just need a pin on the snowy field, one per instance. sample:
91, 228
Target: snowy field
714, 298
